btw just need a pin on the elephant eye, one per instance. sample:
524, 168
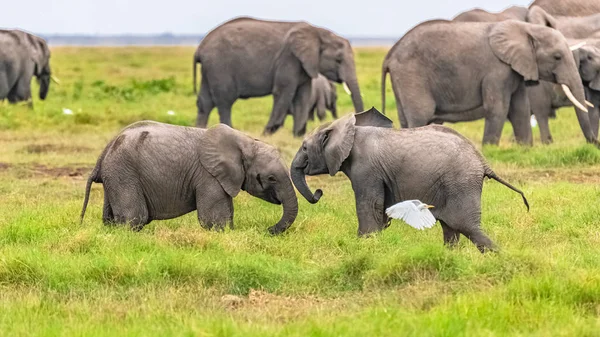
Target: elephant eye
304, 149
590, 57
557, 57
272, 179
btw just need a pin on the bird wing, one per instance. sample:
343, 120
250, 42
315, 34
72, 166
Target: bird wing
408, 212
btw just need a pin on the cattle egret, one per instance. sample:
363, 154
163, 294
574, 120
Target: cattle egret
414, 213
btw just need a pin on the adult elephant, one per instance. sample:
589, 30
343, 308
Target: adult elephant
583, 27
247, 57
22, 56
569, 7
547, 97
445, 71
481, 15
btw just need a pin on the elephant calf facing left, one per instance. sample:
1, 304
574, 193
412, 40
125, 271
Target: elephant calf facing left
433, 164
155, 171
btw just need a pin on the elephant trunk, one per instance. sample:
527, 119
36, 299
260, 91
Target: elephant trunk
351, 83
44, 86
573, 88
299, 178
288, 198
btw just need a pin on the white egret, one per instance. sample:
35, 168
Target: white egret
414, 213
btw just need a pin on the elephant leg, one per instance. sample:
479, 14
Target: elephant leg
215, 206
204, 103
520, 116
107, 213
416, 107
496, 104
370, 200
301, 109
128, 203
451, 236
463, 214
283, 97
225, 113
543, 120
21, 91
321, 108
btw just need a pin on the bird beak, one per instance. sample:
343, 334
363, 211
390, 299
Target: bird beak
430, 206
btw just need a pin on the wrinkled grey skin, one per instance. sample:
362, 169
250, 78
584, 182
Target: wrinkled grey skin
572, 27
22, 56
323, 97
246, 57
433, 164
445, 71
480, 15
547, 97
569, 7
155, 171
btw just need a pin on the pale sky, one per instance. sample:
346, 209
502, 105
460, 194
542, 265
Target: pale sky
364, 18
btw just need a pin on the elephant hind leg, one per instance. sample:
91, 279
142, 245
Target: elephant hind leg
416, 105
107, 214
204, 103
128, 204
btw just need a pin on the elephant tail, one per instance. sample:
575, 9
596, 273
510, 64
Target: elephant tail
492, 175
384, 72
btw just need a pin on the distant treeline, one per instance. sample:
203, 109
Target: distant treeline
164, 39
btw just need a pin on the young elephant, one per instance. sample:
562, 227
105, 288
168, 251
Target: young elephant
323, 97
433, 164
155, 171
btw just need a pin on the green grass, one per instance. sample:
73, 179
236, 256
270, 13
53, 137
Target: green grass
58, 278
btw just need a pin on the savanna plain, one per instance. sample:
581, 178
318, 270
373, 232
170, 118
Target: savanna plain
60, 278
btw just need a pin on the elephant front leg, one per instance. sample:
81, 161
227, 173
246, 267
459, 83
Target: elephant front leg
215, 208
301, 108
496, 102
370, 197
520, 116
283, 95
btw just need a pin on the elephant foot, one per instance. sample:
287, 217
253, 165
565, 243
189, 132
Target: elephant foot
300, 133
269, 130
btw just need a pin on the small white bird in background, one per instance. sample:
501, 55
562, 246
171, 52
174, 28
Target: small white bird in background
414, 213
533, 121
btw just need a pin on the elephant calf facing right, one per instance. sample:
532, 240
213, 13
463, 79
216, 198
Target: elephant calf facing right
433, 164
155, 171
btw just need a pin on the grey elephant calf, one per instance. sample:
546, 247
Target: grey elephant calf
433, 164
323, 97
155, 171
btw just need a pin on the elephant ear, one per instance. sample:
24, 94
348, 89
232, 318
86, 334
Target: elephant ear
337, 140
304, 43
538, 16
373, 117
513, 45
222, 153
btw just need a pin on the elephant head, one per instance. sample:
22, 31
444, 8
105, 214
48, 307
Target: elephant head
589, 69
328, 147
41, 60
239, 162
539, 53
319, 50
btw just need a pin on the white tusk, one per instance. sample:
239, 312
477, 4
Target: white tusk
572, 98
346, 89
589, 104
55, 80
577, 46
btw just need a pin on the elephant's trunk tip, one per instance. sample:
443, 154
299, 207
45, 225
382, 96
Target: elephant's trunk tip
316, 197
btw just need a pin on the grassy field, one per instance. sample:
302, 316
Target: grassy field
58, 278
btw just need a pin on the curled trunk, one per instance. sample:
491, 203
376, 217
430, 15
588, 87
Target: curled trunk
299, 179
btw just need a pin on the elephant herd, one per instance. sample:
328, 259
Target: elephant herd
481, 65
